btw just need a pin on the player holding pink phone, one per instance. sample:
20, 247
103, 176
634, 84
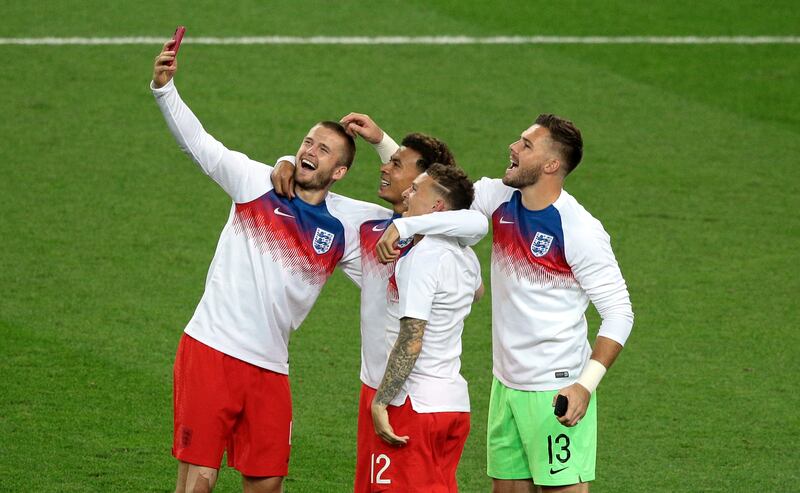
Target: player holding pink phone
176, 41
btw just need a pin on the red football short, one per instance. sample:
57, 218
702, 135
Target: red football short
427, 463
220, 403
366, 433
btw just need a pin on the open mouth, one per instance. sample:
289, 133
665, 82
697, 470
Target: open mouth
306, 164
512, 163
384, 184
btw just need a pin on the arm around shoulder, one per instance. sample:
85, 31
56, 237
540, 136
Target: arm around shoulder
489, 194
467, 225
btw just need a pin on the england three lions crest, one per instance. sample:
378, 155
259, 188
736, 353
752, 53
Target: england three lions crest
322, 241
541, 244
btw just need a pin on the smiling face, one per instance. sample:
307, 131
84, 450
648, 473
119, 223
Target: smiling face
319, 159
397, 175
528, 156
422, 197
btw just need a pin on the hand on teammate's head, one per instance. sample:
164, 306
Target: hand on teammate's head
363, 125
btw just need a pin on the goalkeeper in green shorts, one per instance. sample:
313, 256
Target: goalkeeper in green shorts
549, 259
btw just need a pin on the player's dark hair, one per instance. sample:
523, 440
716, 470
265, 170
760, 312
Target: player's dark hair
456, 188
567, 136
349, 143
431, 150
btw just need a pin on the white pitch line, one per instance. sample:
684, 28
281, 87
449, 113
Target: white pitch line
416, 40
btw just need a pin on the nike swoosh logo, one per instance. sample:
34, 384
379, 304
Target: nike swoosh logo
557, 470
376, 228
278, 212
502, 221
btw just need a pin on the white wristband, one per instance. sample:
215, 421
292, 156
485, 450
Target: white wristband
385, 148
592, 374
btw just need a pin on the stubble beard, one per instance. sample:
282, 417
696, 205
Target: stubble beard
318, 181
523, 178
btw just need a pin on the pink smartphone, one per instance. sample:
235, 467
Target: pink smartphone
177, 37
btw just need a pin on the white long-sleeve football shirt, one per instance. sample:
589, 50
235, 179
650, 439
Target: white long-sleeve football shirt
464, 226
435, 280
273, 255
546, 267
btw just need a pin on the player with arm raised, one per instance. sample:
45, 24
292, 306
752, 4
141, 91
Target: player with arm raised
414, 156
421, 408
231, 390
550, 258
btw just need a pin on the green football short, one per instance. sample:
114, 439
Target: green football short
525, 439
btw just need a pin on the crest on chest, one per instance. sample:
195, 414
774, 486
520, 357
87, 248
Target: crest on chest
322, 241
541, 244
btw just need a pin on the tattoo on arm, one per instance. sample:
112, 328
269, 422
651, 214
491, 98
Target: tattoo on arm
401, 360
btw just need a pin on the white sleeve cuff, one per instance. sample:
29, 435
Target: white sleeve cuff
385, 148
165, 88
291, 159
419, 315
401, 223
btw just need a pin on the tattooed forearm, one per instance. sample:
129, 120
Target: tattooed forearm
401, 361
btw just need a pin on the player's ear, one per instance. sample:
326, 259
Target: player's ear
439, 205
339, 173
552, 166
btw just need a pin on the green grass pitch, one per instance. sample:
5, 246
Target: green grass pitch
107, 230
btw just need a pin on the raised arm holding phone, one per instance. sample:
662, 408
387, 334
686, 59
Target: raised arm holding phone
231, 387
